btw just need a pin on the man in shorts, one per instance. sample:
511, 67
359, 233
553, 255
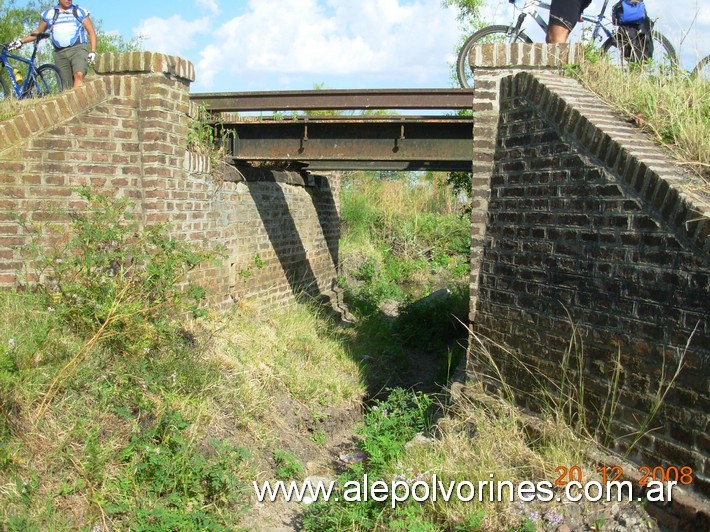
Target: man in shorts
72, 34
564, 15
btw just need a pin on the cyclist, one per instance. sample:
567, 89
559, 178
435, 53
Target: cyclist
564, 15
70, 28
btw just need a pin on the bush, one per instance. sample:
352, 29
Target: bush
103, 274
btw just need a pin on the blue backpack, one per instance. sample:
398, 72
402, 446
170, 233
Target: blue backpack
634, 38
628, 12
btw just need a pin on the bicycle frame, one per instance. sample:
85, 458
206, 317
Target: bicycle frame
530, 9
20, 90
30, 75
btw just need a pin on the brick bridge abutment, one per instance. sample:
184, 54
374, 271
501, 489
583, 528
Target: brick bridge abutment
590, 263
126, 132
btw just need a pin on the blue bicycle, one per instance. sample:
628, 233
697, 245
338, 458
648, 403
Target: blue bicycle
34, 82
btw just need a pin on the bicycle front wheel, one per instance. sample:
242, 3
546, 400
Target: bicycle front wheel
489, 34
702, 69
664, 59
47, 82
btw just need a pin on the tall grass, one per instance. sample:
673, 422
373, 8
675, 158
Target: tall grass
401, 239
673, 107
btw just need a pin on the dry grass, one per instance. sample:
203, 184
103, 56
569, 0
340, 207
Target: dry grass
245, 382
10, 107
674, 109
289, 354
483, 436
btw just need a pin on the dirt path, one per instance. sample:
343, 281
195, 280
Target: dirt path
322, 461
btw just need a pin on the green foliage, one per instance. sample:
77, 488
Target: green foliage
376, 286
404, 236
391, 423
16, 20
468, 10
202, 137
167, 479
288, 466
673, 107
460, 183
115, 43
388, 426
104, 273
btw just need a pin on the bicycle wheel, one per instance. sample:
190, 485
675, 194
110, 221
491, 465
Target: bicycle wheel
489, 34
664, 57
702, 69
48, 81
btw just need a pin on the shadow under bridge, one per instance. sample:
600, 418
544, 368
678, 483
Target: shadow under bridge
320, 130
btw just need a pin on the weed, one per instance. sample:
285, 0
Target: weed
105, 270
165, 478
201, 136
387, 427
319, 437
673, 107
288, 467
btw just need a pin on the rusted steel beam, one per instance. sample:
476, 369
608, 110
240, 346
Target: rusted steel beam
336, 100
351, 143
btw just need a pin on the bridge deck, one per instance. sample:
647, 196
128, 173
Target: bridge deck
452, 99
323, 141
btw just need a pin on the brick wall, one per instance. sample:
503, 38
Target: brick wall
583, 223
125, 131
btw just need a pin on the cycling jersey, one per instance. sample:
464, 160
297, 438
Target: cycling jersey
68, 29
567, 12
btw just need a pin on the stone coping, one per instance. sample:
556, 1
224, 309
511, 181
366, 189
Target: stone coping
145, 62
524, 56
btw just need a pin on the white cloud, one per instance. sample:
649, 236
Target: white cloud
371, 37
209, 5
172, 35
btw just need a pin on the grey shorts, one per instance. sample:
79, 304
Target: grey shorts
72, 59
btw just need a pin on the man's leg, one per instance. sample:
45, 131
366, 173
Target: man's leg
79, 63
78, 79
62, 62
563, 17
556, 34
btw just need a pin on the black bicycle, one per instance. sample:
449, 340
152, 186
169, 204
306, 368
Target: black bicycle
702, 69
23, 78
611, 40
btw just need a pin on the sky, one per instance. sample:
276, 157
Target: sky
255, 45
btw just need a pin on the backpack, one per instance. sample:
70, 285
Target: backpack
628, 12
75, 11
634, 36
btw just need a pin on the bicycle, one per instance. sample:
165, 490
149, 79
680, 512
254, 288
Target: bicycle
664, 53
37, 80
702, 69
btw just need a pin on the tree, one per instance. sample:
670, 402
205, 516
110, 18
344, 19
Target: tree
18, 21
469, 11
470, 19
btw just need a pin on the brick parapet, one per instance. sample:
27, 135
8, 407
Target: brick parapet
51, 113
640, 163
522, 56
